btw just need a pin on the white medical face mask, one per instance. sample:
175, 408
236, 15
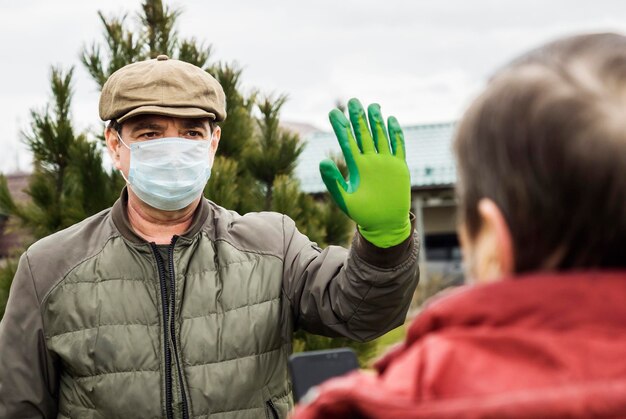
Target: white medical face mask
168, 173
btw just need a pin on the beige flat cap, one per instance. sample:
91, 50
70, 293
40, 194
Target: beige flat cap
162, 87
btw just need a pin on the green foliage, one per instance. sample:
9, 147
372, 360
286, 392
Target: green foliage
275, 151
237, 132
7, 272
158, 22
391, 338
365, 351
69, 182
308, 214
152, 34
238, 128
122, 47
286, 193
224, 186
193, 52
338, 228
7, 204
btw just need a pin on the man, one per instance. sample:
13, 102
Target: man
542, 188
167, 305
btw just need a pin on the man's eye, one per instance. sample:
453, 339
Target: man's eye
194, 133
149, 134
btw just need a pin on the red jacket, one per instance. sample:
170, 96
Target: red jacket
538, 346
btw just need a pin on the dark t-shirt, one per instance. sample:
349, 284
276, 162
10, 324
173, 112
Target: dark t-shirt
164, 253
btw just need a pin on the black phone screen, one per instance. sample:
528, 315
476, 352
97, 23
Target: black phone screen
309, 369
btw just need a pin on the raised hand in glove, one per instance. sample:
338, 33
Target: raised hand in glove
377, 195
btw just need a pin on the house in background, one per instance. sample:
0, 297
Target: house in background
433, 175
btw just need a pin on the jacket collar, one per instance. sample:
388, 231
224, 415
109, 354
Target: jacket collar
119, 213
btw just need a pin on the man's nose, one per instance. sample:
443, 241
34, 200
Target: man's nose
171, 131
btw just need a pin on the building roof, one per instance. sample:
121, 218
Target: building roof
428, 149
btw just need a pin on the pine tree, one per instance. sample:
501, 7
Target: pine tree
231, 184
6, 277
68, 182
275, 151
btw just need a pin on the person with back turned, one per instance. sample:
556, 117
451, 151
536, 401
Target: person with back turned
542, 186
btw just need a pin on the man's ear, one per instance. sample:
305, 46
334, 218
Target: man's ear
494, 243
215, 139
113, 145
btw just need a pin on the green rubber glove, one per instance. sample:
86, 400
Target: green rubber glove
377, 195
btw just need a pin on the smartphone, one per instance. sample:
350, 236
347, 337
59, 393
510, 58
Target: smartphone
309, 369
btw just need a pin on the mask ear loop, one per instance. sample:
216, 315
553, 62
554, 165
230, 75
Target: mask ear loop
125, 145
120, 138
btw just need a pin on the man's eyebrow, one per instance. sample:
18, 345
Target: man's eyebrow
194, 123
147, 125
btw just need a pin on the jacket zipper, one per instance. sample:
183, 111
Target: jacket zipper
173, 326
164, 304
272, 409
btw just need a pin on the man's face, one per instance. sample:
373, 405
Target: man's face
152, 127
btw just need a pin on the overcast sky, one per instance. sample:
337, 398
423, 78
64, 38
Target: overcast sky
423, 61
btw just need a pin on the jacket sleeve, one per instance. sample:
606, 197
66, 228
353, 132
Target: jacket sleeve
359, 293
28, 379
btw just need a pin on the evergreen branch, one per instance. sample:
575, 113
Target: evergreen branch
192, 52
159, 23
7, 203
92, 61
62, 93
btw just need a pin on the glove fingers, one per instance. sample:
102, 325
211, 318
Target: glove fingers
348, 145
335, 183
379, 132
397, 138
359, 123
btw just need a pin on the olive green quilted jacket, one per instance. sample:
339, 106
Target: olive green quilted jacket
102, 324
